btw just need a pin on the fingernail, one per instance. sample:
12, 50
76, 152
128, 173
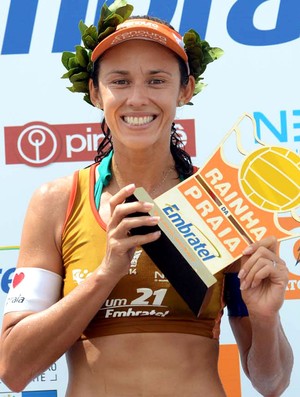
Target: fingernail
248, 250
130, 187
243, 285
148, 206
154, 219
242, 273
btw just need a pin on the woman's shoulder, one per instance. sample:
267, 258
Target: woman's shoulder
55, 189
52, 196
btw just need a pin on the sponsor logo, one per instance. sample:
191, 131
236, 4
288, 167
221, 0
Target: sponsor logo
135, 313
139, 33
6, 278
240, 19
15, 299
18, 278
159, 277
80, 275
134, 262
284, 126
38, 144
8, 256
172, 212
148, 303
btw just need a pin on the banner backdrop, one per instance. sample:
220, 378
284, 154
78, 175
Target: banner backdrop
46, 132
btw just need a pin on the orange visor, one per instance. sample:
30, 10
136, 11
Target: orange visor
143, 29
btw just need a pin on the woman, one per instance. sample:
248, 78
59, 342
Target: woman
124, 333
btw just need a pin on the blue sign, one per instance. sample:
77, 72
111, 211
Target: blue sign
195, 14
40, 393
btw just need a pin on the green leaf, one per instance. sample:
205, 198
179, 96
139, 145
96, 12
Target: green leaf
73, 63
82, 27
113, 15
125, 11
113, 8
87, 99
79, 86
90, 66
106, 33
216, 52
200, 54
113, 21
82, 56
89, 42
105, 12
199, 87
66, 55
71, 72
81, 76
90, 37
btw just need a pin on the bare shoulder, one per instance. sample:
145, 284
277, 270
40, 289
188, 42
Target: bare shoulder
54, 192
43, 225
49, 203
51, 199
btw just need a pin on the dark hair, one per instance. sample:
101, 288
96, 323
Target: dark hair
183, 162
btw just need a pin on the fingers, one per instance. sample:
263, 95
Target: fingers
121, 244
125, 216
269, 242
262, 263
121, 196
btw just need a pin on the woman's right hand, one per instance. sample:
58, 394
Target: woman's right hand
121, 244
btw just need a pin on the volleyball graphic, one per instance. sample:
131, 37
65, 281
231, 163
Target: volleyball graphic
270, 178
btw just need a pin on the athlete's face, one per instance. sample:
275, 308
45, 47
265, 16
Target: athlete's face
139, 90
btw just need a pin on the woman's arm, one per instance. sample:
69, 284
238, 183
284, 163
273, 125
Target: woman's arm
33, 341
266, 354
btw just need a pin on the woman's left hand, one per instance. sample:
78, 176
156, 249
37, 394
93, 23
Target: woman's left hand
264, 277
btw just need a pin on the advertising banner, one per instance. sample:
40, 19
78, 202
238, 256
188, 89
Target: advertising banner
46, 132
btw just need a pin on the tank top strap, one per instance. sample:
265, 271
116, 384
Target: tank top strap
104, 176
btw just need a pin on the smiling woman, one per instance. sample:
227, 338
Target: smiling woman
140, 100
89, 288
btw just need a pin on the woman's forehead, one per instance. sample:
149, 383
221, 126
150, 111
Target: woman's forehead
135, 51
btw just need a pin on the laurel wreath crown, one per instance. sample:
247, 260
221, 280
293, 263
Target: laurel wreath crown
79, 65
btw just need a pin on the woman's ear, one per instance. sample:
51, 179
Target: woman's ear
189, 89
186, 92
95, 95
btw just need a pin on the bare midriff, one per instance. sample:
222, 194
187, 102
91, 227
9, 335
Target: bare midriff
146, 365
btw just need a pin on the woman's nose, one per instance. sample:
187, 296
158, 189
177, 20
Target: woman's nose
138, 95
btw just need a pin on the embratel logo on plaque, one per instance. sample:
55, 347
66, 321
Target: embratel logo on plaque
236, 198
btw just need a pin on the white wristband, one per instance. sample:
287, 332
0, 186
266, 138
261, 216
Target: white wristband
33, 289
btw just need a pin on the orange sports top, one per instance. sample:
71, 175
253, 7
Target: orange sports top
143, 300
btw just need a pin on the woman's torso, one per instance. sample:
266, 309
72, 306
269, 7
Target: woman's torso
148, 359
148, 365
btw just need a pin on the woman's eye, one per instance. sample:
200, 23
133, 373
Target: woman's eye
156, 81
121, 82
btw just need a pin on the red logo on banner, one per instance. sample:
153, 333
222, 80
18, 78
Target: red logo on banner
38, 144
290, 251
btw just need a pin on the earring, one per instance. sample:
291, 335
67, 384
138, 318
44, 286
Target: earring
181, 103
98, 106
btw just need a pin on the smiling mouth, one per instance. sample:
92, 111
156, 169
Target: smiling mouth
132, 120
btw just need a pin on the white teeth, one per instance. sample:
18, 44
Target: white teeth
138, 120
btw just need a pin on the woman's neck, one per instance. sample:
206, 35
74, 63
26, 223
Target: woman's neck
155, 174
